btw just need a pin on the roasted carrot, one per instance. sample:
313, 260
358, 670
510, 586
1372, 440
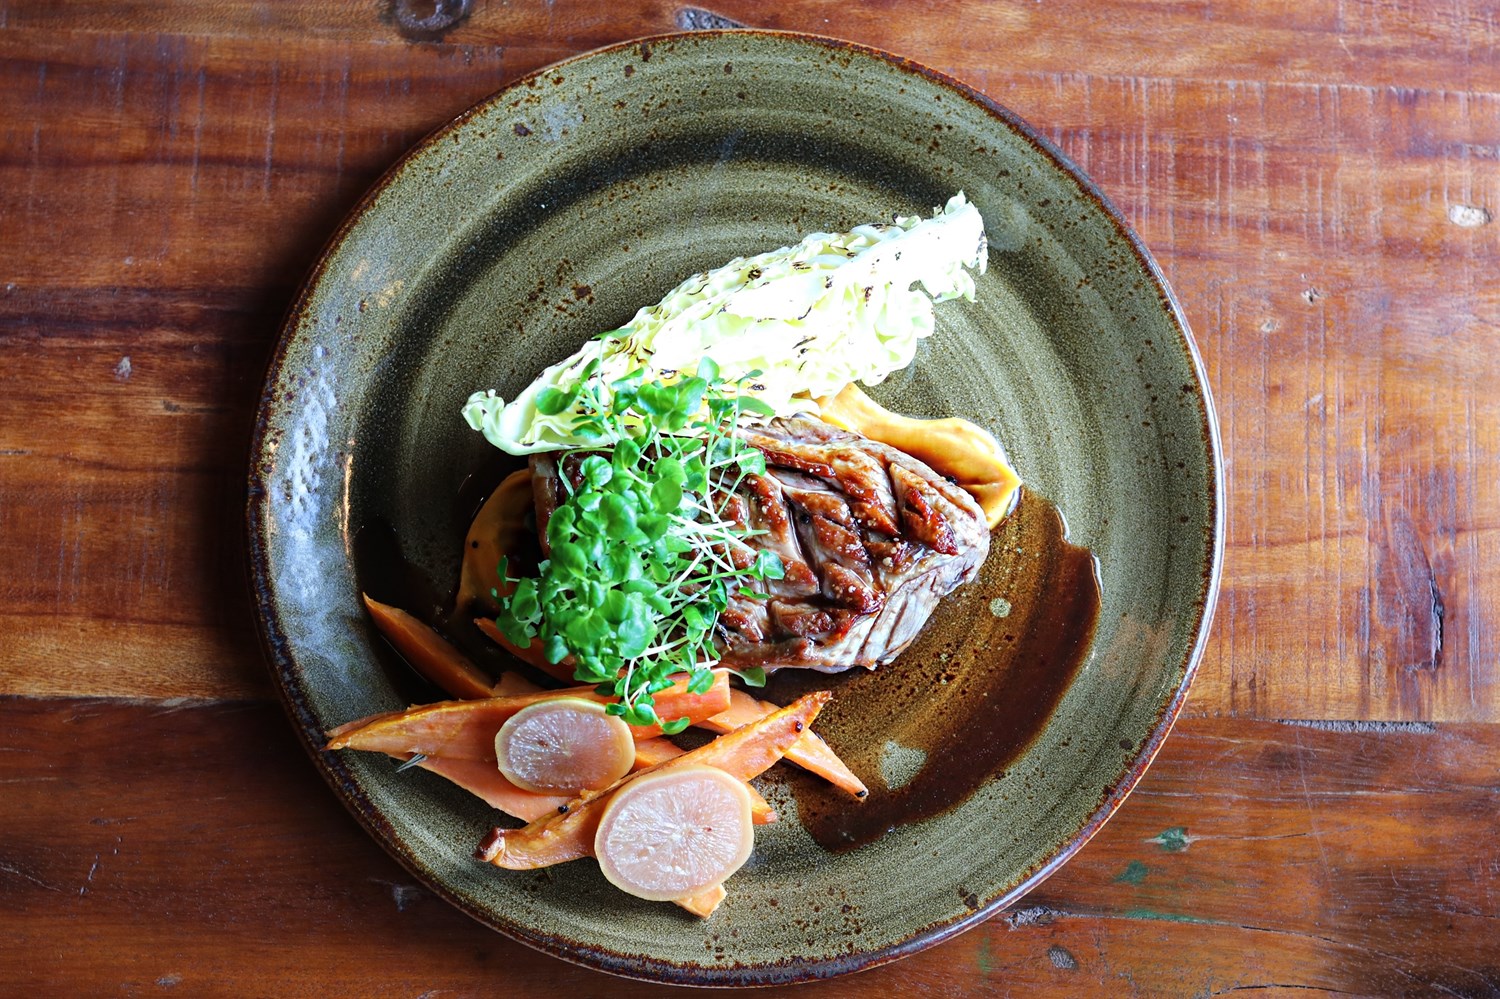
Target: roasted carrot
810, 752
531, 655
761, 812
466, 730
746, 752
650, 752
428, 652
705, 902
484, 780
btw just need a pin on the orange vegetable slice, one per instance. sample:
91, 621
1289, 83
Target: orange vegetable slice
809, 752
705, 902
531, 655
511, 683
650, 752
486, 782
428, 652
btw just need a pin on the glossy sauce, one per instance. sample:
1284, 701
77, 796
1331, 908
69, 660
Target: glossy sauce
968, 697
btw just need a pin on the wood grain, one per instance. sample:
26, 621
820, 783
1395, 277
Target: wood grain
1256, 847
1371, 42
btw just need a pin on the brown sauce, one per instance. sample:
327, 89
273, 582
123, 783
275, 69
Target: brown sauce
968, 697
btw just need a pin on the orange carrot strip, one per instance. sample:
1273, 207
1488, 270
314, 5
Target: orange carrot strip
746, 752
428, 652
761, 812
466, 730
650, 752
810, 752
531, 655
483, 779
486, 782
705, 902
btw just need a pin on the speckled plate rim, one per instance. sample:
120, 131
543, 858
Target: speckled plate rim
283, 661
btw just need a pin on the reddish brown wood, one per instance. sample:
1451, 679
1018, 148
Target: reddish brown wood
195, 845
1320, 181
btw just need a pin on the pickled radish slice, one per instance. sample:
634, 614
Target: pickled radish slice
674, 833
565, 744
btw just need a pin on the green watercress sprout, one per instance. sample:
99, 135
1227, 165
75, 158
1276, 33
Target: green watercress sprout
643, 560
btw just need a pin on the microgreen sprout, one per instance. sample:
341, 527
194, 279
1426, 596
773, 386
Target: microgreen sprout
643, 560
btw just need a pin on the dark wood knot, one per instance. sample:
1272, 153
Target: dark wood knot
428, 20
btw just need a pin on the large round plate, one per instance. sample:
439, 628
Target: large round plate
550, 212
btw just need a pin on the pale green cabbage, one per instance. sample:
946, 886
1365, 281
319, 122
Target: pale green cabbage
811, 318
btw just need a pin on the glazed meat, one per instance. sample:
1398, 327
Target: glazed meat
871, 539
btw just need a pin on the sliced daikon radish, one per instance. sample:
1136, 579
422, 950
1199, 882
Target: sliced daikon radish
674, 833
565, 744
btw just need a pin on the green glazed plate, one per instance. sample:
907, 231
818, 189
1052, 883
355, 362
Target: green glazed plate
552, 211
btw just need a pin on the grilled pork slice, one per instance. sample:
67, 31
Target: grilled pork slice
870, 537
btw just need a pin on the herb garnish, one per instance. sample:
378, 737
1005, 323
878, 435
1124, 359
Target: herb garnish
643, 560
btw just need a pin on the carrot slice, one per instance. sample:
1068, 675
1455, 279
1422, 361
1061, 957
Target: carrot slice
705, 902
466, 730
484, 780
810, 752
650, 752
428, 652
746, 752
531, 655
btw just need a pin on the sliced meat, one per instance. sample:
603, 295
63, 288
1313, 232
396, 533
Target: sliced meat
885, 536
870, 538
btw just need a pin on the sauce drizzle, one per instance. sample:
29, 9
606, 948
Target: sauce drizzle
968, 697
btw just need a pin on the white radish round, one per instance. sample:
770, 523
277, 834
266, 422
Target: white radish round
673, 833
564, 745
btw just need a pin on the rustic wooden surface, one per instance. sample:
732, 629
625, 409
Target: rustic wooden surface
1320, 182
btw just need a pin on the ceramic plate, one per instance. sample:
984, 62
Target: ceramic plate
549, 213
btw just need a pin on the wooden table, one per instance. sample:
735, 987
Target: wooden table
1319, 180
